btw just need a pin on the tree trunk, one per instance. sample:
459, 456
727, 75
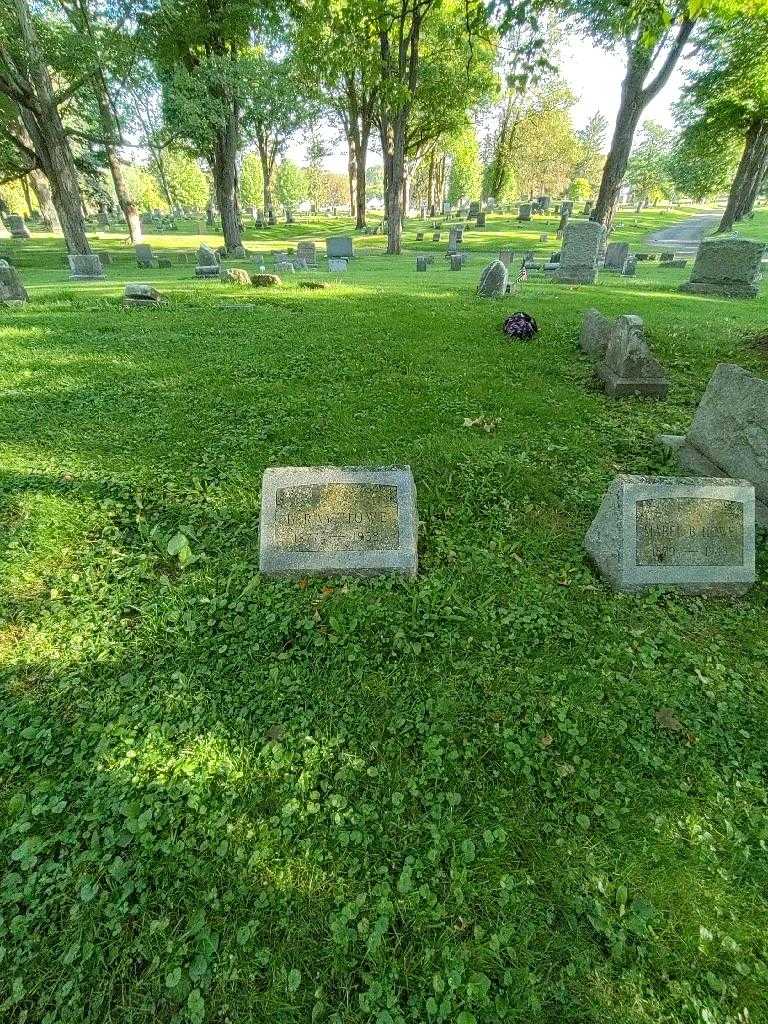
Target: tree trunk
396, 182
129, 208
352, 176
225, 181
749, 176
42, 191
360, 191
27, 197
636, 94
50, 143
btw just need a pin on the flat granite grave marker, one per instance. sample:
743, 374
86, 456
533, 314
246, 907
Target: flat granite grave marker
327, 519
581, 245
729, 433
85, 268
339, 247
697, 535
141, 295
726, 266
337, 264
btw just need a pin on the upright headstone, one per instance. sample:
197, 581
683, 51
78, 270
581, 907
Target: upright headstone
729, 433
326, 519
85, 268
435, 236
141, 295
566, 208
506, 256
595, 332
421, 264
524, 211
616, 256
306, 251
588, 207
696, 535
337, 264
581, 245
457, 261
728, 266
630, 267
474, 208
493, 281
629, 368
544, 203
453, 241
419, 236
12, 291
480, 221
339, 247
16, 226
208, 263
144, 255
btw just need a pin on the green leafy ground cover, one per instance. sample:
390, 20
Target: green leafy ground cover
495, 793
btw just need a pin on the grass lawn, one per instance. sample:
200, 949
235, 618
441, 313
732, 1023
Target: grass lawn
229, 799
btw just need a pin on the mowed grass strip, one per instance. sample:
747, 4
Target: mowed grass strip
495, 793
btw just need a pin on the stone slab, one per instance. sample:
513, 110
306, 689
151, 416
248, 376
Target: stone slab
693, 534
85, 268
726, 265
337, 264
582, 240
339, 247
327, 519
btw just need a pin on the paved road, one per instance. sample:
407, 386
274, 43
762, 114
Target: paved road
685, 236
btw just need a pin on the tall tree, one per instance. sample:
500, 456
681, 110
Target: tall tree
26, 79
726, 100
202, 52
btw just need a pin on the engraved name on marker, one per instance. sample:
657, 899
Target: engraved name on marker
337, 517
689, 531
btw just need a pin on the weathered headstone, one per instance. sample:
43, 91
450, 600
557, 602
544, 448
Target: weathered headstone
457, 261
616, 256
85, 268
729, 433
435, 236
320, 520
339, 247
453, 241
566, 208
493, 281
480, 221
421, 264
628, 367
12, 291
337, 264
144, 255
524, 211
16, 226
208, 263
588, 207
728, 266
419, 236
696, 535
595, 332
581, 245
141, 295
234, 275
543, 203
506, 256
474, 208
630, 267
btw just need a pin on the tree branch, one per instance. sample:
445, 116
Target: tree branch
662, 76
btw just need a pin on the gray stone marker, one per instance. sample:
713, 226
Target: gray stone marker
493, 281
337, 264
326, 519
729, 433
566, 208
339, 247
144, 255
696, 535
630, 267
581, 246
595, 331
141, 295
421, 264
419, 236
480, 221
524, 211
628, 367
453, 241
727, 266
588, 206
307, 251
435, 236
457, 261
544, 203
85, 268
616, 256
12, 291
474, 209
16, 226
506, 256
208, 263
